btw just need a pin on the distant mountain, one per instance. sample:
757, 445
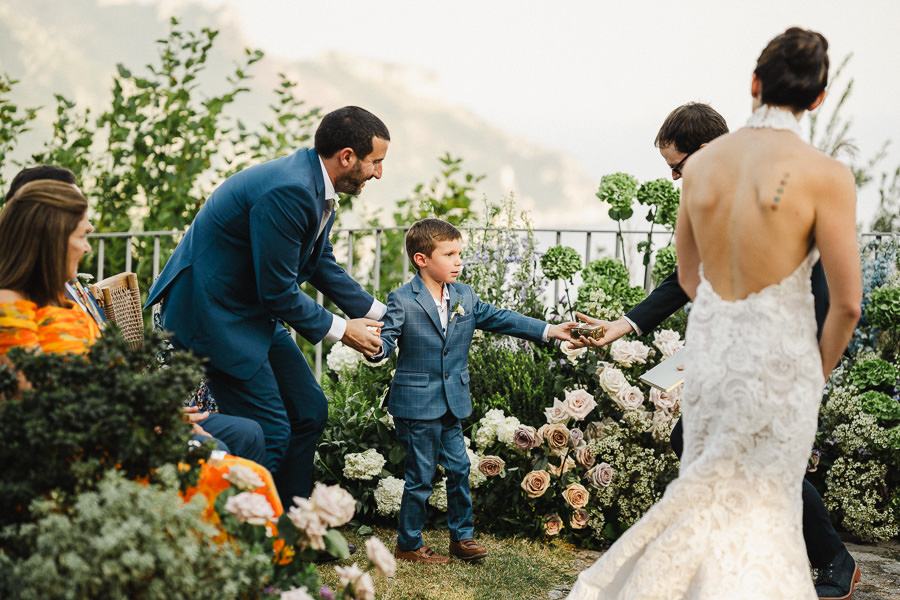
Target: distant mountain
72, 48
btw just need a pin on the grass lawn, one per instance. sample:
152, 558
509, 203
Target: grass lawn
514, 569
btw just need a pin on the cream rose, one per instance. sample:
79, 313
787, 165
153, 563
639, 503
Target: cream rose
578, 404
552, 525
601, 475
668, 342
628, 353
629, 398
295, 594
576, 495
579, 519
381, 557
536, 483
305, 518
556, 413
491, 465
557, 436
611, 379
665, 400
243, 478
334, 505
571, 352
250, 507
526, 437
584, 457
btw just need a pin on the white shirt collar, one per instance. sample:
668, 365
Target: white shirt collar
445, 298
329, 187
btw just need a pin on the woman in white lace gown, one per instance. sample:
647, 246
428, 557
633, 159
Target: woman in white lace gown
758, 207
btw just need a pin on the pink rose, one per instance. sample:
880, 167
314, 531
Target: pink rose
668, 342
381, 557
667, 401
250, 507
629, 398
526, 437
305, 518
536, 483
629, 353
556, 413
611, 379
576, 495
578, 404
552, 524
579, 519
334, 504
491, 465
600, 476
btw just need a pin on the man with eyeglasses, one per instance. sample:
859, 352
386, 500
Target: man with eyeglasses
686, 130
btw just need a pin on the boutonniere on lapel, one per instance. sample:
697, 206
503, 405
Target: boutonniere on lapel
457, 310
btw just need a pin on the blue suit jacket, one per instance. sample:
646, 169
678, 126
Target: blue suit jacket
239, 267
432, 373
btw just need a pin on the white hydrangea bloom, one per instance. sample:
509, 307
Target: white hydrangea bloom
506, 429
388, 420
342, 359
438, 498
388, 493
485, 436
476, 477
363, 465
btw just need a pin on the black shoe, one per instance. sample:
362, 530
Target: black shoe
837, 580
324, 556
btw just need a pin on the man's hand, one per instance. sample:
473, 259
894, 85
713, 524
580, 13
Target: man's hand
560, 331
612, 330
360, 338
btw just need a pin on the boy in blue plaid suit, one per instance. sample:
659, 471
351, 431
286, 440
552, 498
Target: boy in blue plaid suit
431, 321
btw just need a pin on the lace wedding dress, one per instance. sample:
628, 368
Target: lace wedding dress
730, 526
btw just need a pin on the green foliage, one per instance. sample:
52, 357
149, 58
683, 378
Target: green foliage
880, 405
883, 308
85, 414
619, 191
518, 377
608, 277
874, 374
127, 540
13, 123
561, 262
662, 198
665, 264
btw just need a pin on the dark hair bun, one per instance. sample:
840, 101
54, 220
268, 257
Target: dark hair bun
793, 68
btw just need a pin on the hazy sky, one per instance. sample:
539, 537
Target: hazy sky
594, 78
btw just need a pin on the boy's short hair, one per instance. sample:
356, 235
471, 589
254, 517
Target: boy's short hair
424, 236
690, 126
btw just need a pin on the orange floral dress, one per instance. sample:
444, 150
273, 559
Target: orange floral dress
51, 328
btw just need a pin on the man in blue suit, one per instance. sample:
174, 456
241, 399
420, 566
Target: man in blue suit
431, 321
236, 276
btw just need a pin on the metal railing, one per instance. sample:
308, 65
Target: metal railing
345, 244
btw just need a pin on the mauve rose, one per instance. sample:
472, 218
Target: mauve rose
630, 398
600, 475
576, 436
491, 465
611, 379
578, 404
536, 483
579, 519
557, 436
576, 495
556, 413
584, 457
526, 437
334, 504
552, 524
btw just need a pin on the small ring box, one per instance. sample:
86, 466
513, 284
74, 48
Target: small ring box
586, 330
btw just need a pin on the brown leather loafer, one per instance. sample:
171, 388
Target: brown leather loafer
467, 550
423, 555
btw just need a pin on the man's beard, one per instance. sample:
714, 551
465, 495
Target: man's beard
351, 182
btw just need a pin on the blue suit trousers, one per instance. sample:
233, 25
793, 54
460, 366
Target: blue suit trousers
285, 399
429, 443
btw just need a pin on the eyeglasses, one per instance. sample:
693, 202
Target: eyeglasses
677, 168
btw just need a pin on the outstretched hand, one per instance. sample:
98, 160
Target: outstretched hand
612, 330
359, 337
560, 331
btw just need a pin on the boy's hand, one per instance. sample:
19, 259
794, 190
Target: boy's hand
612, 330
560, 331
359, 337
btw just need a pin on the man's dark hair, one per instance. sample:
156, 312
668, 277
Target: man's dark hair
349, 127
690, 126
39, 172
